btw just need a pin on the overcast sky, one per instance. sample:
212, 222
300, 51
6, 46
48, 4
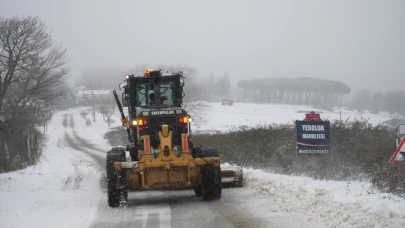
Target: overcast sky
359, 42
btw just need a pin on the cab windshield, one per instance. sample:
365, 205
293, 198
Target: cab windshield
166, 93
145, 94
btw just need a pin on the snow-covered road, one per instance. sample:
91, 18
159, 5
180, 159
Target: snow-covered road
63, 188
174, 208
67, 188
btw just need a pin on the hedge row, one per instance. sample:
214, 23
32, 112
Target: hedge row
359, 150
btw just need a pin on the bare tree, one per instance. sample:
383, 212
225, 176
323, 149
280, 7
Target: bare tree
32, 77
106, 105
223, 86
194, 101
32, 69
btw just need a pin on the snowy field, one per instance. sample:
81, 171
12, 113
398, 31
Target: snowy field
64, 188
223, 118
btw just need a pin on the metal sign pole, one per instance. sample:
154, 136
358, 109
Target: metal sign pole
94, 110
400, 141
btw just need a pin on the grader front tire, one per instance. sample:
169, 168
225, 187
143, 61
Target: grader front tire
116, 197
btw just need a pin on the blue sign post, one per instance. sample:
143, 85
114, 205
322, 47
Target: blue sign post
313, 136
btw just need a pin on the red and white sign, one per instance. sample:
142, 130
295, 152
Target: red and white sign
396, 157
312, 116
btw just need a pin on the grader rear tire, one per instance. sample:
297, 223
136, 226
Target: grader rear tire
211, 186
116, 197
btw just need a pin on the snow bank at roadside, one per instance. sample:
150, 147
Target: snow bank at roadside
334, 203
63, 189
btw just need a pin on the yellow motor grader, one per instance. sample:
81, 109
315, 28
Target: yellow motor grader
160, 155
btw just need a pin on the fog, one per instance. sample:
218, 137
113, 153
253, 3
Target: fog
360, 43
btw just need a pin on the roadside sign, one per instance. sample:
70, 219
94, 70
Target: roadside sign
312, 116
401, 129
398, 156
313, 135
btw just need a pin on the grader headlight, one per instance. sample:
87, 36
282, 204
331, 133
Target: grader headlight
140, 122
134, 122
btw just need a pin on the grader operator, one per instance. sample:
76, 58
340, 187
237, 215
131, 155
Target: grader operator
161, 155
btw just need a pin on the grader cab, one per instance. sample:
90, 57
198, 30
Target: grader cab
160, 155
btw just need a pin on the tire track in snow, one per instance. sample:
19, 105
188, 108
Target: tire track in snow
230, 214
73, 181
80, 144
80, 140
77, 144
96, 155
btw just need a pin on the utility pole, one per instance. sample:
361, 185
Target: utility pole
4, 143
29, 147
7, 157
44, 117
341, 105
94, 110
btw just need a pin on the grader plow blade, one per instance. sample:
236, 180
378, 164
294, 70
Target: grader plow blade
232, 178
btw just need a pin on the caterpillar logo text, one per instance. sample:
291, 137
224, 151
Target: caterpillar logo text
167, 112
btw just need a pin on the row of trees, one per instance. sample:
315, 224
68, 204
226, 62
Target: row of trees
310, 91
32, 78
106, 105
218, 87
393, 101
